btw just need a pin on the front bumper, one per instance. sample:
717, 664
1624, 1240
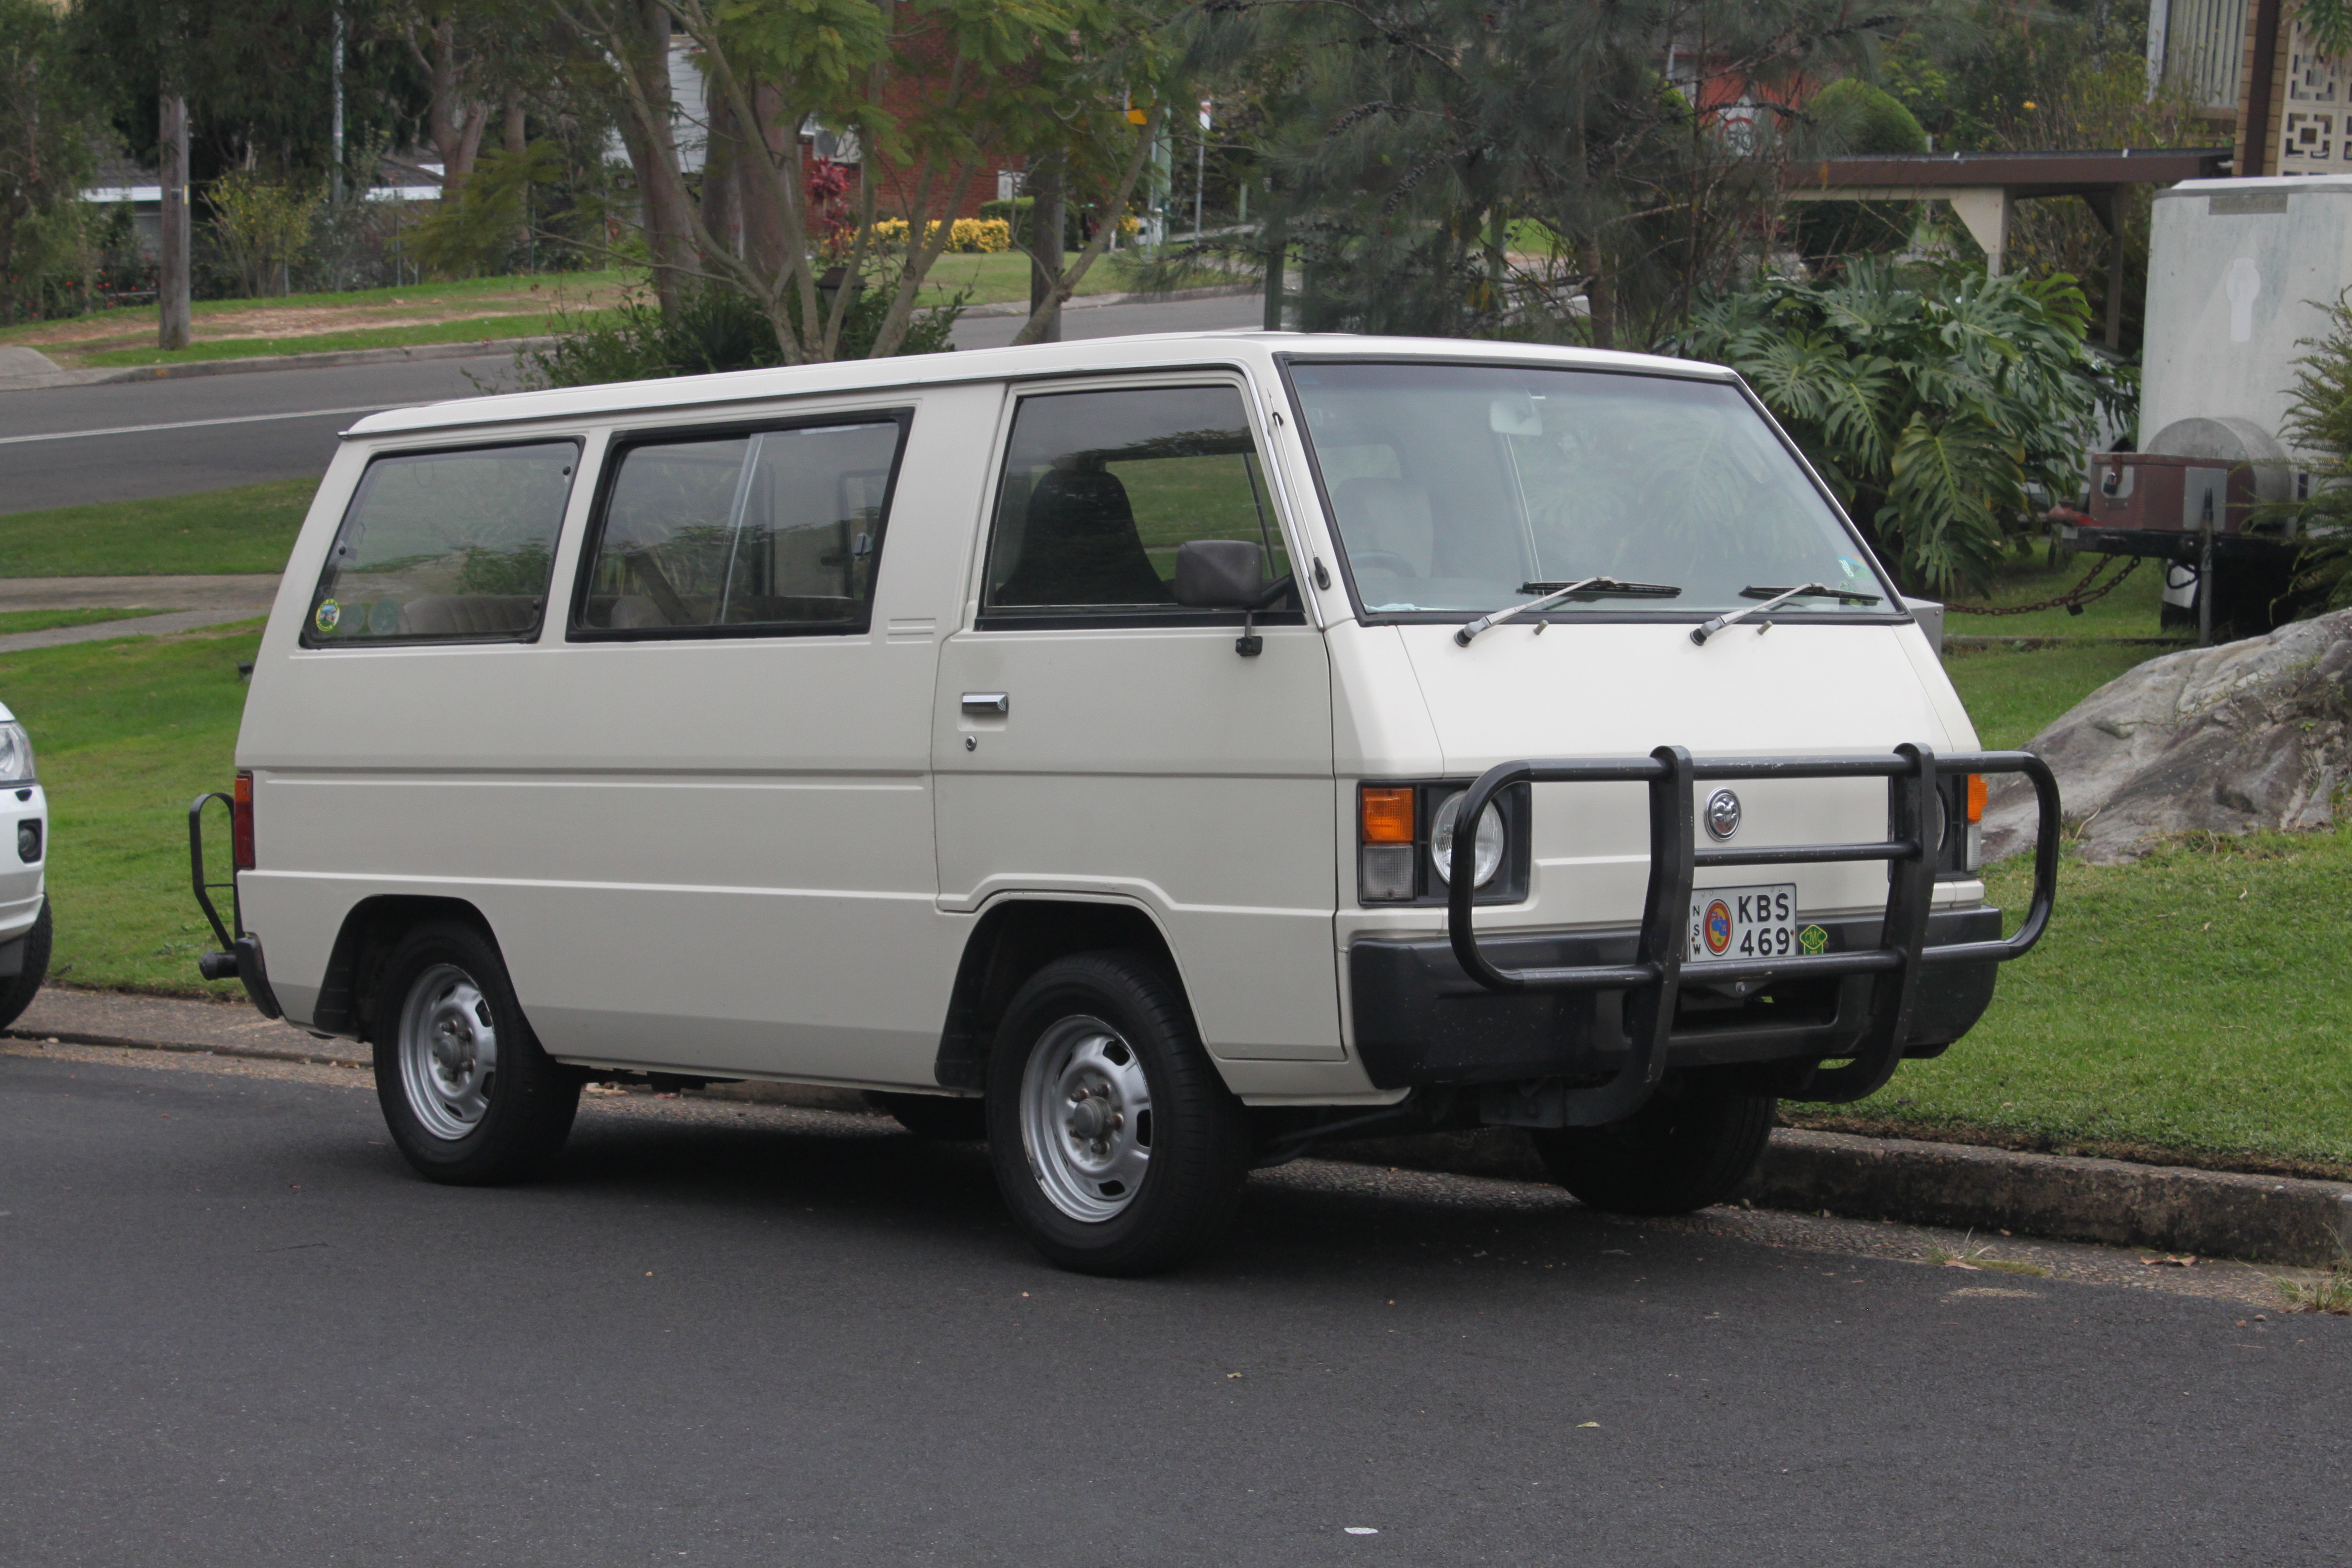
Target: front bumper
1654, 987
1420, 1019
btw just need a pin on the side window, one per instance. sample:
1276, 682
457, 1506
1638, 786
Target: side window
1100, 488
446, 546
761, 531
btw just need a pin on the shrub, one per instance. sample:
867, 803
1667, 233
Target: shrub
713, 330
1929, 397
1017, 214
970, 235
263, 226
1850, 116
2319, 424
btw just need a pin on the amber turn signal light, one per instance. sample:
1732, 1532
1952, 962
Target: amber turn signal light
240, 823
1976, 797
1387, 815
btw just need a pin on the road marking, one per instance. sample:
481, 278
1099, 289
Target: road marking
198, 423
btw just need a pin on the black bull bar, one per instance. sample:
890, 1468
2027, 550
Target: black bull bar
1659, 967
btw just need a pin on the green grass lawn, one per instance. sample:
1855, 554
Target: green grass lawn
477, 329
247, 528
1004, 277
127, 733
2130, 611
13, 621
2195, 1006
2013, 693
481, 309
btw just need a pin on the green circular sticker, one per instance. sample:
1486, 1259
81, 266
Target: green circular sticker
327, 616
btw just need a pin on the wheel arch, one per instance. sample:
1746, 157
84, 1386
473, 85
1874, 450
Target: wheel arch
1013, 939
371, 929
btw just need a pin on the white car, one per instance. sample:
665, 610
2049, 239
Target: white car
23, 894
1158, 753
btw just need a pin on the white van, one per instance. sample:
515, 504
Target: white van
1107, 746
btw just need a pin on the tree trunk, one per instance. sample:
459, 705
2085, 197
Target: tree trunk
669, 231
1045, 254
172, 275
455, 125
722, 176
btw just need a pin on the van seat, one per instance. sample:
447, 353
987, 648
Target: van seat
632, 611
1388, 515
468, 614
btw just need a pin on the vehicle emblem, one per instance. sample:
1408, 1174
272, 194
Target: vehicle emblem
1722, 814
1812, 940
1717, 927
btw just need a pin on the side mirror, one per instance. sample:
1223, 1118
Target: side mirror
1220, 574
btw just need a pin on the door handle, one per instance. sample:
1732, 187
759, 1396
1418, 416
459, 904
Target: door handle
981, 702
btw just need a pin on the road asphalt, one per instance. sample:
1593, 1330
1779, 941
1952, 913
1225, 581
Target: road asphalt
239, 1331
65, 445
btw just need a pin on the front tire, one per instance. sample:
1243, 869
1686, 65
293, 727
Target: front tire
1118, 1148
1690, 1146
470, 1098
18, 991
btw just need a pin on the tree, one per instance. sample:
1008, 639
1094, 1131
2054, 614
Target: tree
44, 154
1456, 167
935, 92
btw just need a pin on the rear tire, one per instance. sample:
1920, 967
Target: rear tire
470, 1098
18, 991
1690, 1146
940, 1119
1118, 1148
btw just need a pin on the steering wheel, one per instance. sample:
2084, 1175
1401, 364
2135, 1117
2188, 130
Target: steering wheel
1397, 565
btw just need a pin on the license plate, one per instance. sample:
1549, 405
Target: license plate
1743, 922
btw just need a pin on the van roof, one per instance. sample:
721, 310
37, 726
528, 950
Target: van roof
1090, 354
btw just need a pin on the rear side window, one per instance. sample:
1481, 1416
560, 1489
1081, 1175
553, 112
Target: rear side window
445, 547
1100, 489
744, 534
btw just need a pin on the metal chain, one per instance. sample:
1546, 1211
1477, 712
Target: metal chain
2072, 598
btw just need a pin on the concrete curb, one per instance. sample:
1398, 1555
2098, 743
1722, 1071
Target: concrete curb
2170, 1208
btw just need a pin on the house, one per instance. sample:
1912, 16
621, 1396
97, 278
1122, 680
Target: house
2251, 68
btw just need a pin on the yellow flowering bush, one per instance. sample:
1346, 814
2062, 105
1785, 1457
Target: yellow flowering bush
980, 235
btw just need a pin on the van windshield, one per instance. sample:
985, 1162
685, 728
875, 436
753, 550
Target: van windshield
1462, 489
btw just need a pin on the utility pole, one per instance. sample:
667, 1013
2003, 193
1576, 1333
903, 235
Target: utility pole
1200, 170
171, 258
335, 130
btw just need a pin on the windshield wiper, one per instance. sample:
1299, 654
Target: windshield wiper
1773, 598
1553, 593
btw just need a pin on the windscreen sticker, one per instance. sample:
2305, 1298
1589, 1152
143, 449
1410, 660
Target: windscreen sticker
327, 614
1850, 566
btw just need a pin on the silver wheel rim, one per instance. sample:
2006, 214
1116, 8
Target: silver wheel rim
449, 1051
1085, 1119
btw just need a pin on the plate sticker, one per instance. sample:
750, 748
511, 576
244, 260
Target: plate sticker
328, 616
1743, 922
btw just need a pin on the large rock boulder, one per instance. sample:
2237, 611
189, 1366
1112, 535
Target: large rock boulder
2248, 735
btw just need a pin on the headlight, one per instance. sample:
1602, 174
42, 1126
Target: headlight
1489, 858
16, 755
